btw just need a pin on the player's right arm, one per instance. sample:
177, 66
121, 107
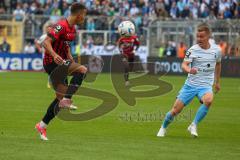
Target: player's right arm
186, 68
54, 33
119, 43
186, 62
47, 44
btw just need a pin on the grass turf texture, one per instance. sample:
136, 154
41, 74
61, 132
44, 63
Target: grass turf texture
24, 99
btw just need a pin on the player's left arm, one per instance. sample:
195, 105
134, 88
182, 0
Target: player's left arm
69, 55
119, 44
217, 76
136, 44
218, 72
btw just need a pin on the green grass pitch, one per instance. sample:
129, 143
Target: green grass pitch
24, 99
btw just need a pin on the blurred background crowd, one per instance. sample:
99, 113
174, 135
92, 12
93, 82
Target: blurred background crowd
112, 12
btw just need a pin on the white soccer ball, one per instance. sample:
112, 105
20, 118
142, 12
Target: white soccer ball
126, 28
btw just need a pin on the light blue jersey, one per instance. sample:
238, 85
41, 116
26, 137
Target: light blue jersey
200, 83
205, 62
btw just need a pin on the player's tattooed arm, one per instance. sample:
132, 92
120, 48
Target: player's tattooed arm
47, 44
69, 55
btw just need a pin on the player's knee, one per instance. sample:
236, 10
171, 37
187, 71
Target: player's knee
208, 102
83, 69
175, 111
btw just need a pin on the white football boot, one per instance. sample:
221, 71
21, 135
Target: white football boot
192, 128
162, 132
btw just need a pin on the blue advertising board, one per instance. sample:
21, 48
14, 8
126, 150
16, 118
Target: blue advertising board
20, 62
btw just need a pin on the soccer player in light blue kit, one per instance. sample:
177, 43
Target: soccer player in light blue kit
202, 63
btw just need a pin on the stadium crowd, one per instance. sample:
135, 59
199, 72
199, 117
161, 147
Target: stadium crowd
141, 12
160, 8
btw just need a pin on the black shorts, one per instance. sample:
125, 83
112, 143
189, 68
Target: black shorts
50, 67
126, 58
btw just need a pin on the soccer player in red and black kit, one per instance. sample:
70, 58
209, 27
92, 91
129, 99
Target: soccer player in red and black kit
57, 53
127, 47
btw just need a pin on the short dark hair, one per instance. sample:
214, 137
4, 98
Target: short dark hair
204, 27
76, 7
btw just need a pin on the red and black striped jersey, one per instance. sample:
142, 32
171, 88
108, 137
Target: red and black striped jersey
126, 45
62, 34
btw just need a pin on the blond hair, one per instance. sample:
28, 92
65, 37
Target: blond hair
204, 27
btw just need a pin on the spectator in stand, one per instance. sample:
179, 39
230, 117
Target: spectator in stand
33, 8
55, 15
159, 8
204, 11
5, 46
167, 4
145, 20
174, 10
26, 8
227, 13
2, 12
186, 12
223, 46
66, 9
29, 48
18, 13
134, 10
180, 5
47, 10
237, 11
145, 8
194, 9
2, 4
223, 4
170, 50
220, 15
181, 50
211, 16
90, 24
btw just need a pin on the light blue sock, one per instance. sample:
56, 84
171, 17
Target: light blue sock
201, 113
168, 119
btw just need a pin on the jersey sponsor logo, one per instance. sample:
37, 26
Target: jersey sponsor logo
206, 69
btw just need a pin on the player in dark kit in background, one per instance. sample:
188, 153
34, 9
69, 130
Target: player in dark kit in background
57, 53
127, 47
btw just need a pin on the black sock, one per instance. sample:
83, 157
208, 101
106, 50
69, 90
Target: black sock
75, 83
126, 75
52, 111
126, 71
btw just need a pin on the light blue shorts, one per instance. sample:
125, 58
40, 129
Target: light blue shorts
187, 93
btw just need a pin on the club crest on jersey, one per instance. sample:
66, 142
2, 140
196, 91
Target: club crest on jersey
58, 28
188, 54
